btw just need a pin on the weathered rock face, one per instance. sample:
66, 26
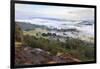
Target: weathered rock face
28, 55
31, 56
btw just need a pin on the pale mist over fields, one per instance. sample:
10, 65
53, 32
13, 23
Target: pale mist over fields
81, 19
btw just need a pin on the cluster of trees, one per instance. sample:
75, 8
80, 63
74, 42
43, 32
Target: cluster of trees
18, 33
80, 49
45, 44
77, 48
48, 34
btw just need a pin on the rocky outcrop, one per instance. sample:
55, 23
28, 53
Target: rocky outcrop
28, 55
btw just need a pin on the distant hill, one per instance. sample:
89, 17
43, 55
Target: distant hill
86, 23
29, 26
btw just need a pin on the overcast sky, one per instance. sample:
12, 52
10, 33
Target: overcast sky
27, 12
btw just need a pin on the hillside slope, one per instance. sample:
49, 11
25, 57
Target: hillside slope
27, 55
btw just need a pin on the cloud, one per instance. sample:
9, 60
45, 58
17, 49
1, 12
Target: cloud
26, 11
